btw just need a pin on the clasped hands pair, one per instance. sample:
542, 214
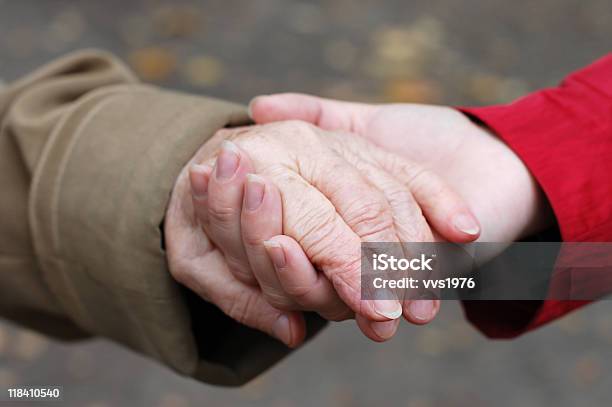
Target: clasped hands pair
266, 221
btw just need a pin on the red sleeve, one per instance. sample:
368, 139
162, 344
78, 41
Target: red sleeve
564, 136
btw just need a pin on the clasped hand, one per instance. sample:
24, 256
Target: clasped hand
267, 221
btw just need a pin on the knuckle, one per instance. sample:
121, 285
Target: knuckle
260, 142
222, 215
286, 180
315, 230
366, 211
279, 300
241, 305
251, 239
398, 195
419, 179
256, 231
370, 218
248, 138
314, 220
398, 165
346, 273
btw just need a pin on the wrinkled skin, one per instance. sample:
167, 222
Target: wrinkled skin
481, 168
337, 191
484, 170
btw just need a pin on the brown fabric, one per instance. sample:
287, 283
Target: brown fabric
88, 157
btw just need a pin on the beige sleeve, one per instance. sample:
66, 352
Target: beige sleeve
88, 158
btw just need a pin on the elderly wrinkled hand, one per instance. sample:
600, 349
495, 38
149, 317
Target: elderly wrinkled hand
304, 199
492, 179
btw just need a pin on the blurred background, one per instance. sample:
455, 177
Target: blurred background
439, 51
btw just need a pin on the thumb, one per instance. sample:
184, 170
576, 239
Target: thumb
325, 113
444, 208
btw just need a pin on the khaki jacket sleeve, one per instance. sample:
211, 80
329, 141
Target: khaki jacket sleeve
88, 158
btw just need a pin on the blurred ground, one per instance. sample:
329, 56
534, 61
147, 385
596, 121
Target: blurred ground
440, 51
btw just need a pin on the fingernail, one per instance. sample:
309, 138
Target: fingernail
422, 310
282, 330
200, 175
384, 330
228, 160
276, 253
255, 188
466, 223
386, 305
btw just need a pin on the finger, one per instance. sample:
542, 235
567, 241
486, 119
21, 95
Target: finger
377, 331
197, 264
441, 206
325, 113
385, 214
225, 195
359, 199
361, 203
409, 223
199, 177
339, 115
421, 312
322, 230
410, 226
261, 219
208, 276
309, 288
444, 209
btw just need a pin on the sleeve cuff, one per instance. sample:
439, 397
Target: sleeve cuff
98, 196
564, 137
